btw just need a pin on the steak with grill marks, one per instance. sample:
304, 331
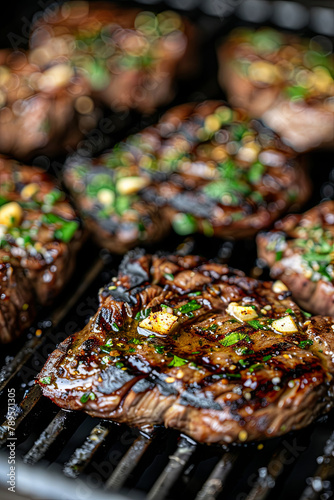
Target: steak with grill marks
193, 345
300, 252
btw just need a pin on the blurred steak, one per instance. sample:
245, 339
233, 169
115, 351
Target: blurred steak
300, 252
129, 58
109, 203
203, 168
40, 236
190, 344
285, 80
40, 109
17, 304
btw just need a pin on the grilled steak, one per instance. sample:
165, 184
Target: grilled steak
109, 203
283, 79
46, 106
40, 235
128, 58
190, 344
207, 169
17, 300
299, 252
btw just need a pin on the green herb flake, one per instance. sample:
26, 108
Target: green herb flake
144, 313
255, 367
169, 276
289, 311
176, 361
45, 380
119, 364
160, 349
266, 358
305, 343
257, 325
232, 338
193, 305
194, 294
115, 327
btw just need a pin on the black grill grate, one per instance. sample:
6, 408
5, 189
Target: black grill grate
67, 455
160, 463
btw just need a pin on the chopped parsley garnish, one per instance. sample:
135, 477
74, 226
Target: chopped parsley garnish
144, 313
194, 294
266, 358
193, 305
115, 327
86, 396
232, 338
169, 276
176, 361
160, 349
119, 364
46, 380
255, 367
66, 228
289, 311
305, 343
308, 315
257, 325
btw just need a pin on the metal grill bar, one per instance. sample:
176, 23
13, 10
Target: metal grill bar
83, 455
33, 396
320, 481
267, 477
128, 462
48, 437
10, 370
215, 482
173, 469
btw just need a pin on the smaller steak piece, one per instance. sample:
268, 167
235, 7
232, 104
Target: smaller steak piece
300, 252
17, 299
38, 227
285, 80
40, 108
190, 344
108, 197
128, 58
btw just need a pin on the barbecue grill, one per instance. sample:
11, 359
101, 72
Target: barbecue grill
66, 454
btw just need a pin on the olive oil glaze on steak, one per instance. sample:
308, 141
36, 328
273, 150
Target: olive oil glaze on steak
193, 345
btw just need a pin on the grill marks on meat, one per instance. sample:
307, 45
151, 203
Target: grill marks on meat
299, 252
214, 376
282, 79
109, 202
203, 168
40, 235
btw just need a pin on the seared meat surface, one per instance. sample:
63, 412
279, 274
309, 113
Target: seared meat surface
190, 344
203, 168
128, 58
109, 202
17, 300
285, 80
300, 252
40, 235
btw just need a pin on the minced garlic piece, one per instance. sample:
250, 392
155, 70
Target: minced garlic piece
242, 313
159, 322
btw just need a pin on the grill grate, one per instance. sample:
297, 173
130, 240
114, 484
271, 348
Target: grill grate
64, 454
182, 459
